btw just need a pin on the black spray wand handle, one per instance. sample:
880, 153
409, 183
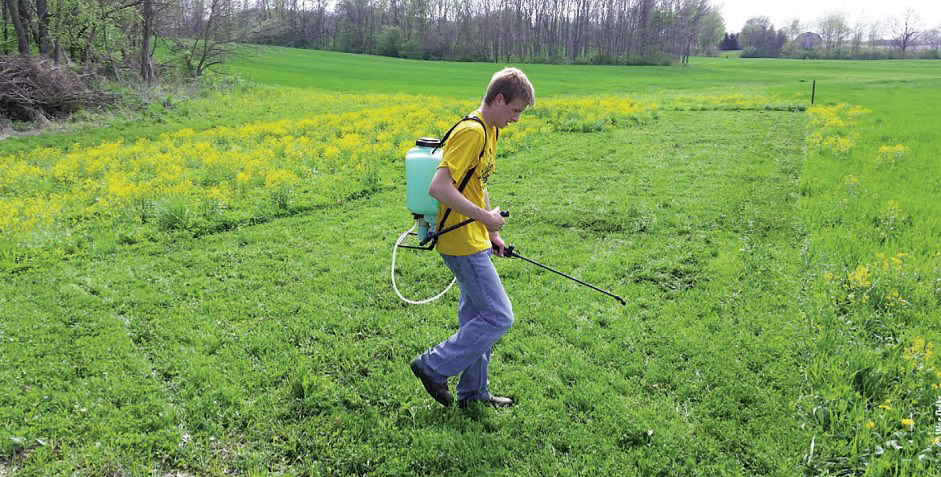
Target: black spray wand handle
509, 253
430, 237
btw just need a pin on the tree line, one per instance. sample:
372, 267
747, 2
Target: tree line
549, 31
835, 36
122, 35
119, 36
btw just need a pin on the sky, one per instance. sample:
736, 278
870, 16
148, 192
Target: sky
736, 12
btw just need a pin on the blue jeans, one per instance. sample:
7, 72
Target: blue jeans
484, 314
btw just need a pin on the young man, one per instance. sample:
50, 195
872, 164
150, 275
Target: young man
484, 312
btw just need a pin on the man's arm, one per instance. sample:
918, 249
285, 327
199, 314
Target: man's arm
494, 235
442, 188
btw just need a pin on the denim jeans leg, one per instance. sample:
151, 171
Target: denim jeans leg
489, 315
473, 384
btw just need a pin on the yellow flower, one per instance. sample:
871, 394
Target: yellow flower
860, 277
331, 152
185, 133
831, 127
919, 353
891, 154
908, 422
899, 259
218, 194
279, 178
857, 111
870, 425
893, 299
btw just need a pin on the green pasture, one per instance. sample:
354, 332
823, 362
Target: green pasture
783, 298
348, 72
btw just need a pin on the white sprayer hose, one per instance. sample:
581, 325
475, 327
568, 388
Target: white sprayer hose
395, 248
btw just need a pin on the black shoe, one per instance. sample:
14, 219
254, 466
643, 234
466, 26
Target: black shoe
439, 391
495, 401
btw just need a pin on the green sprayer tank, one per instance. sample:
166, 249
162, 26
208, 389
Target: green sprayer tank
421, 162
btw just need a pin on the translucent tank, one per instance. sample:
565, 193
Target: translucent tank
421, 162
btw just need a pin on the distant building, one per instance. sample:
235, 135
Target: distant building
808, 40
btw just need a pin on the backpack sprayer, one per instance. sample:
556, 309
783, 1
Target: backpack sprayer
421, 163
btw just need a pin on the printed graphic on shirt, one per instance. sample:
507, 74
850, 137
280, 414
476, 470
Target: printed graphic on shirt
485, 174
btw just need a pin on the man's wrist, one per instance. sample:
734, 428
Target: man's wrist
482, 214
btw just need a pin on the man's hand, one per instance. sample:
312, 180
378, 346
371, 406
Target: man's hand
493, 220
498, 244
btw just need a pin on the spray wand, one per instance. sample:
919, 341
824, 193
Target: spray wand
421, 164
509, 252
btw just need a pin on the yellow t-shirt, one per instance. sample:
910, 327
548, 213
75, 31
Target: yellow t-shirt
460, 154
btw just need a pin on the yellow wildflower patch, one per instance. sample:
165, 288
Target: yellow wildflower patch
332, 154
861, 277
891, 154
832, 127
279, 178
919, 354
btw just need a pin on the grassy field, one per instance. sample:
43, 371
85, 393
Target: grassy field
208, 293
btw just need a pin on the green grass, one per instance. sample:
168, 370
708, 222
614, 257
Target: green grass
284, 343
348, 72
278, 347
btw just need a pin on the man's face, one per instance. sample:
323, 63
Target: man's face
508, 112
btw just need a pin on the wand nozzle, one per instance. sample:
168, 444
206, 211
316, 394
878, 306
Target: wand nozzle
510, 252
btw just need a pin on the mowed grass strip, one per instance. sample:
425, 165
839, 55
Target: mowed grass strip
281, 347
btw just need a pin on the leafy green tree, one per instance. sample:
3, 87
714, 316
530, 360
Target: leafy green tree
759, 39
710, 33
390, 41
834, 30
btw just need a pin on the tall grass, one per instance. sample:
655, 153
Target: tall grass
873, 293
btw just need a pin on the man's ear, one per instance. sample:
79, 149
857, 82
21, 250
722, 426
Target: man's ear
499, 99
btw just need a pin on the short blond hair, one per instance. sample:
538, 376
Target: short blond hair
511, 83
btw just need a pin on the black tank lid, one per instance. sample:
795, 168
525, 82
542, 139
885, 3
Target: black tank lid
428, 142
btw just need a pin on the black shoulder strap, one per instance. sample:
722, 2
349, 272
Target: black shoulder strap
467, 118
463, 184
447, 212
